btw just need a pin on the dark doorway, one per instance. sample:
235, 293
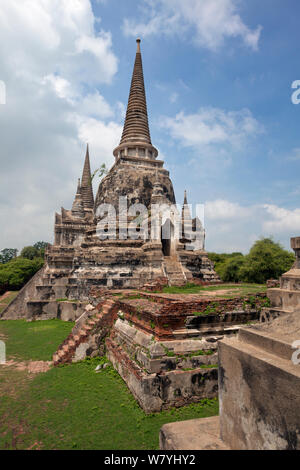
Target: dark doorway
166, 247
166, 236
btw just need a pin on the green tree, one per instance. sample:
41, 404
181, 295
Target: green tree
41, 247
226, 265
15, 273
229, 271
8, 254
30, 252
266, 260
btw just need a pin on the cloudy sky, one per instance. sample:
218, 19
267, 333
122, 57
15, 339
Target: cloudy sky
218, 75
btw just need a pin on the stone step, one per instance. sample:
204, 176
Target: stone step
173, 270
87, 328
195, 434
185, 333
266, 342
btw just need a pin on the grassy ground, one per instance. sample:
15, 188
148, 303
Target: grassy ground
73, 407
233, 289
36, 341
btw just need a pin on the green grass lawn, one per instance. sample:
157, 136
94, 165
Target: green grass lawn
35, 341
73, 407
236, 289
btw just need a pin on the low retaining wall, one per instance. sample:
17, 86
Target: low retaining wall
156, 392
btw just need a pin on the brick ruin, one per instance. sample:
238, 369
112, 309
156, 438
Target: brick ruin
163, 346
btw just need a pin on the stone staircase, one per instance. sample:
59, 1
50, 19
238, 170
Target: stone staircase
86, 326
174, 271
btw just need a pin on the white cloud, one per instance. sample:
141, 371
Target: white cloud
103, 138
212, 126
225, 210
209, 22
52, 62
281, 220
232, 227
55, 35
61, 86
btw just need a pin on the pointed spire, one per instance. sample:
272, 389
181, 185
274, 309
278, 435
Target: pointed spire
78, 208
185, 199
187, 222
136, 127
86, 183
186, 213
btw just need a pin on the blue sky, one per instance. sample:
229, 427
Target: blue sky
218, 77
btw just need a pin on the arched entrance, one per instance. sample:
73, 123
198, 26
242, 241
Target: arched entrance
167, 235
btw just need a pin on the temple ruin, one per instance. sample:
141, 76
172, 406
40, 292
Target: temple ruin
80, 259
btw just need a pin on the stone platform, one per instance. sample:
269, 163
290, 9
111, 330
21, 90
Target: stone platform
193, 434
166, 349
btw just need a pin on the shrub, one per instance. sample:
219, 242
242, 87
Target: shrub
16, 273
229, 271
266, 260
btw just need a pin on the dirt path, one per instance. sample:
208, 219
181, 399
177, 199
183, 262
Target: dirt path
32, 367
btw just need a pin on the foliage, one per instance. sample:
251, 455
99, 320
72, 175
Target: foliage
229, 270
15, 273
29, 252
102, 171
266, 260
41, 247
35, 251
7, 255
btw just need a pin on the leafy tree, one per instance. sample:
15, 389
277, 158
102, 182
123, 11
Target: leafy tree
15, 273
29, 252
229, 271
8, 254
266, 260
226, 265
41, 247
